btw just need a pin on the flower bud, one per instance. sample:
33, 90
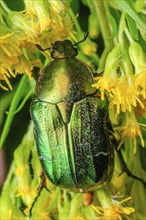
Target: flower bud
137, 57
118, 60
94, 29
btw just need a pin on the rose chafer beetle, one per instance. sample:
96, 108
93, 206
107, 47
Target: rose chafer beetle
71, 123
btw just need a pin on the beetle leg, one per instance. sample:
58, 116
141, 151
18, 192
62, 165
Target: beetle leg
123, 163
41, 49
126, 169
35, 73
41, 186
98, 74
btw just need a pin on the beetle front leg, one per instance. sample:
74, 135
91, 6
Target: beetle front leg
35, 73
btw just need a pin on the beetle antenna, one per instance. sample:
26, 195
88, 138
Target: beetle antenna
41, 49
85, 37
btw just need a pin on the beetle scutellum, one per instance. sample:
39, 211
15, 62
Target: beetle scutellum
70, 122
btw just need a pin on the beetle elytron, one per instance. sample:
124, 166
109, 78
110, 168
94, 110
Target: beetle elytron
71, 129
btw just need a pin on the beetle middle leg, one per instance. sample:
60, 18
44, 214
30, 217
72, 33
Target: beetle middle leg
123, 163
126, 169
41, 186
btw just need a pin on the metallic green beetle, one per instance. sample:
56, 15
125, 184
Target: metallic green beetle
71, 128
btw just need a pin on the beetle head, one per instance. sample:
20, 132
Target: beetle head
63, 49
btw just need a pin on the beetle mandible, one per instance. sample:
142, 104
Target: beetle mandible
71, 123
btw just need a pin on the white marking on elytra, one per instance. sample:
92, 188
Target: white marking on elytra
102, 153
43, 157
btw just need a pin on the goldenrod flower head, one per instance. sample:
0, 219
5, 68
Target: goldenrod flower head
126, 94
8, 58
23, 27
130, 129
27, 193
50, 17
123, 92
14, 59
20, 170
57, 6
38, 14
27, 188
123, 88
114, 212
45, 216
42, 22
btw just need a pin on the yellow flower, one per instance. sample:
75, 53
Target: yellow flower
38, 14
123, 88
115, 212
14, 63
105, 84
42, 22
14, 59
26, 192
20, 171
49, 20
123, 92
45, 216
130, 128
8, 58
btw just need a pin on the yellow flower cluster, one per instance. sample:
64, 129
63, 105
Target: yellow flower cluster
115, 211
125, 88
124, 92
42, 22
130, 128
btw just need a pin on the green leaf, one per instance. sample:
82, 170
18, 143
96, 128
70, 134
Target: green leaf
132, 27
139, 5
127, 7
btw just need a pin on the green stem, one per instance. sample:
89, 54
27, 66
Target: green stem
4, 7
128, 35
121, 28
54, 200
21, 91
103, 21
28, 95
79, 30
104, 198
